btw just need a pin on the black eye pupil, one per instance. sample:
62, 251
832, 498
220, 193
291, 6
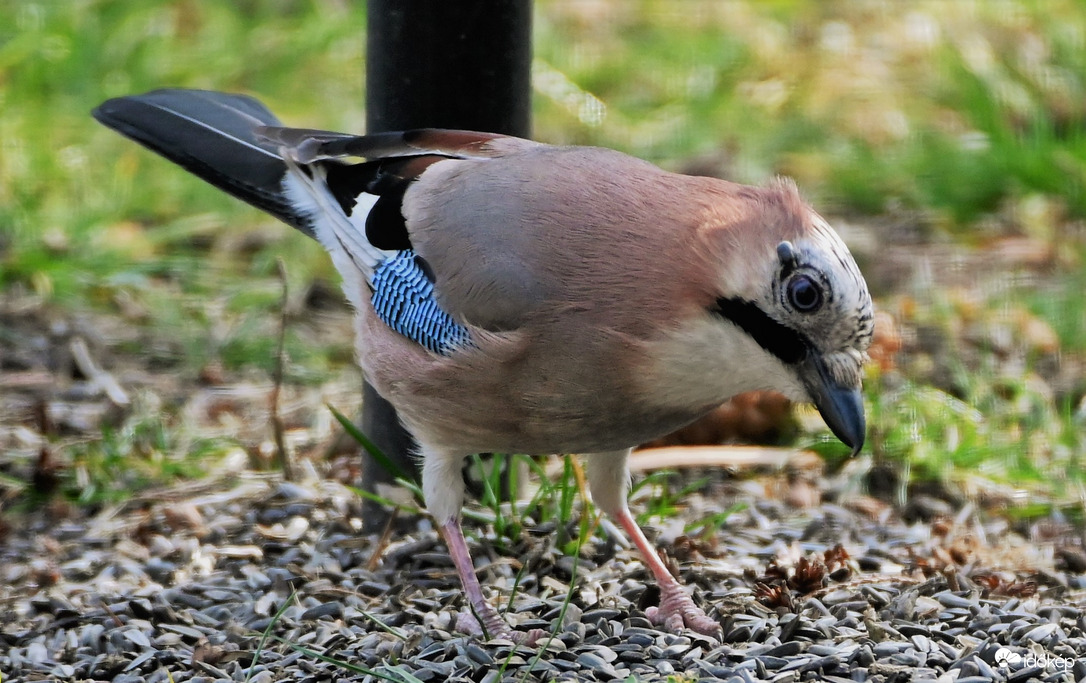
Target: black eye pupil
804, 294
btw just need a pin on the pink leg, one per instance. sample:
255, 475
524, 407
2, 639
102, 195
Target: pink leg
676, 608
493, 625
461, 557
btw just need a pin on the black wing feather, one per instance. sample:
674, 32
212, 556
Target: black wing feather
213, 136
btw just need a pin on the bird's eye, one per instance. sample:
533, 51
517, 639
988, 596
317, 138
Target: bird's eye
804, 294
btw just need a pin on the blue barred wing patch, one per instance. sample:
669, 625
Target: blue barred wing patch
404, 299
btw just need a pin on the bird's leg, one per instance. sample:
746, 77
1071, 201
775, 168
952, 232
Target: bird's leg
485, 620
492, 623
677, 608
443, 486
608, 478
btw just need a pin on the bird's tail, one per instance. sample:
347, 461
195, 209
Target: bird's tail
300, 176
212, 135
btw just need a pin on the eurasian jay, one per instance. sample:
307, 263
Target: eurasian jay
518, 297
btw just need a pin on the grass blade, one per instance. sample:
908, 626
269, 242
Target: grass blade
376, 453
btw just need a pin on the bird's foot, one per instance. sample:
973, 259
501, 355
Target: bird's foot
496, 628
677, 610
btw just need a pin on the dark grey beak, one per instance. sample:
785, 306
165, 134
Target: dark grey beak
842, 407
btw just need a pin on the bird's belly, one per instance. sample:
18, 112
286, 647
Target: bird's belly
473, 418
514, 393
605, 431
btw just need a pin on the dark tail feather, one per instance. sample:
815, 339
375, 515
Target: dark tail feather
210, 134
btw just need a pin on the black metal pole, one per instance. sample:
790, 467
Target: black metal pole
449, 64
440, 64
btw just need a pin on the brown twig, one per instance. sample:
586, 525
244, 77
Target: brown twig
102, 379
45, 477
111, 613
382, 543
276, 420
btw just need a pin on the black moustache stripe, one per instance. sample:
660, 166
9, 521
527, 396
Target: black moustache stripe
783, 342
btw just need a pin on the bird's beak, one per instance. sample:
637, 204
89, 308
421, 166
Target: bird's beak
841, 406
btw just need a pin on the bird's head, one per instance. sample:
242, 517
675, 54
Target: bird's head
791, 285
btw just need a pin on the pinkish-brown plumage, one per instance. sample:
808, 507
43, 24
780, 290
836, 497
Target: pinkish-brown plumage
588, 301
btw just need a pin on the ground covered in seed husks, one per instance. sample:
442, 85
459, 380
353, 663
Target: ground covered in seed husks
258, 579
112, 571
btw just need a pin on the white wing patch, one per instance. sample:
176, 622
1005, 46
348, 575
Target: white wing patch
344, 237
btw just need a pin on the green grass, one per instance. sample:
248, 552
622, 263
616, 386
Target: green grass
144, 450
82, 204
927, 107
1063, 304
967, 114
1017, 439
945, 131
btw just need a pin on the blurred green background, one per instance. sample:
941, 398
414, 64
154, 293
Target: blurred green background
947, 140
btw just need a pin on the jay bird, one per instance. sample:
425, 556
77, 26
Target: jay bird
518, 297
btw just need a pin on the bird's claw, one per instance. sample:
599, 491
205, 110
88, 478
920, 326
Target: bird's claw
496, 629
677, 611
